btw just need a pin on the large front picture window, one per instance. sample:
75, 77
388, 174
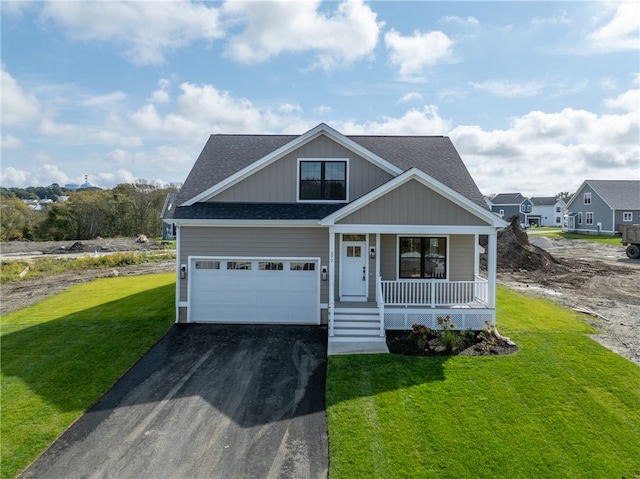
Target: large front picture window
423, 257
323, 180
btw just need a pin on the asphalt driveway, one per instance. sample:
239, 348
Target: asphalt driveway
207, 401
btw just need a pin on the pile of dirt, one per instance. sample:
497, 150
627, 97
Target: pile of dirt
515, 253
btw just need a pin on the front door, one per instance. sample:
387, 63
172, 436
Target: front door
354, 271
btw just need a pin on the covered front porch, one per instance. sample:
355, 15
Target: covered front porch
384, 277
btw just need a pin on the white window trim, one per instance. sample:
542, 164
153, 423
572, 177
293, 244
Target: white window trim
409, 235
335, 160
586, 218
579, 218
587, 198
501, 213
627, 216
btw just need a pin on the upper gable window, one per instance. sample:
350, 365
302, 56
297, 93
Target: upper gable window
587, 198
323, 180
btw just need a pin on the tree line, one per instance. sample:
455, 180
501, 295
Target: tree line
126, 210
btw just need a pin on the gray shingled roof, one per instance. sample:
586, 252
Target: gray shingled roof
257, 211
508, 199
224, 155
619, 194
543, 200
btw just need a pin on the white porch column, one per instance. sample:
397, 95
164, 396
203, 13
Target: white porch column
492, 267
476, 257
332, 272
377, 257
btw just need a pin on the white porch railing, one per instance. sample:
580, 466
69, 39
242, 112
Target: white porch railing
434, 293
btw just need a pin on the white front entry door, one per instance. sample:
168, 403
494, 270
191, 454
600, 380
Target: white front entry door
354, 271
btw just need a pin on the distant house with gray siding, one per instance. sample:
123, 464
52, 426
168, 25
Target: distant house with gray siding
601, 206
168, 228
360, 233
506, 205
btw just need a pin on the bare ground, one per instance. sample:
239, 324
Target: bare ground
597, 276
24, 293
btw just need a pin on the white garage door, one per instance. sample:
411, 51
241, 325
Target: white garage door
250, 290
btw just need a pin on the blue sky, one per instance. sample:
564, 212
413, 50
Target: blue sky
536, 96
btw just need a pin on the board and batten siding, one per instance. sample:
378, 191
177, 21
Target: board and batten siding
254, 242
278, 182
427, 208
460, 256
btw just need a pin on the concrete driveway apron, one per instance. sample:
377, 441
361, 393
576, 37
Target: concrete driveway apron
207, 401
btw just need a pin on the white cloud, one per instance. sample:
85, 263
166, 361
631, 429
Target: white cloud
413, 54
12, 177
322, 110
104, 101
10, 142
622, 32
414, 122
18, 107
410, 97
148, 30
64, 130
46, 174
561, 149
470, 21
203, 109
629, 101
561, 19
161, 95
288, 109
608, 83
342, 37
510, 90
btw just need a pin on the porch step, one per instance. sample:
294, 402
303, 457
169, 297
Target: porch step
356, 324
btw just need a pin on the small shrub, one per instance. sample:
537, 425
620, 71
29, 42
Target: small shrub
419, 334
449, 339
487, 334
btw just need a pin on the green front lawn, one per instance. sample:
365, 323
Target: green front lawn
60, 355
612, 240
563, 406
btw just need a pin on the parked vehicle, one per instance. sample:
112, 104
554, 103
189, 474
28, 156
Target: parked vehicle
631, 239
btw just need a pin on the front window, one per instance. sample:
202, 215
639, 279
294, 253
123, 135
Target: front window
423, 257
579, 218
627, 216
323, 180
587, 198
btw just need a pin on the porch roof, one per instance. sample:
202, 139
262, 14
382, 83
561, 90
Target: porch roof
256, 211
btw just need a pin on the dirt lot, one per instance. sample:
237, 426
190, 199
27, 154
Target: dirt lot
599, 277
592, 275
18, 295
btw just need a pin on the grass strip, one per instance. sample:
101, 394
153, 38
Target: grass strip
60, 355
563, 406
610, 240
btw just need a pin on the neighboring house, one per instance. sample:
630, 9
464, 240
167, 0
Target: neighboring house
363, 233
546, 211
168, 228
505, 205
601, 206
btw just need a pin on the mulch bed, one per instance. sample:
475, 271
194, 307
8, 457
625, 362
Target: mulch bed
400, 342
